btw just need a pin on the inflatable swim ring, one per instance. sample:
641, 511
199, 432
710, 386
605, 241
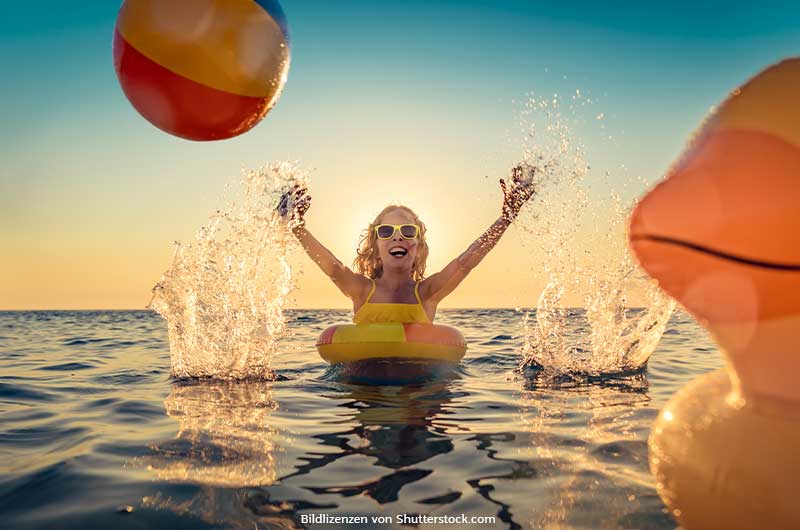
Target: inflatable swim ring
347, 343
721, 234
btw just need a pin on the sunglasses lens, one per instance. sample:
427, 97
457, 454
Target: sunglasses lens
385, 231
408, 231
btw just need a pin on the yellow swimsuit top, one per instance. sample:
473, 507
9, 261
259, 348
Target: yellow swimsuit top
370, 312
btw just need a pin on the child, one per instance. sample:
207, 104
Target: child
389, 283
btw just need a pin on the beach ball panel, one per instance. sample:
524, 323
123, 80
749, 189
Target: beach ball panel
230, 45
276, 12
180, 106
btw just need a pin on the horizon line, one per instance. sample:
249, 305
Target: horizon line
520, 309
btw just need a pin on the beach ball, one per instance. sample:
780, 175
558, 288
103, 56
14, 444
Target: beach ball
721, 235
202, 69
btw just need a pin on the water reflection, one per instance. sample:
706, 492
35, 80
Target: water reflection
231, 444
589, 439
394, 427
224, 435
410, 435
576, 457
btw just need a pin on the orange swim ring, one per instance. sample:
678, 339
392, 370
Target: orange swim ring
347, 343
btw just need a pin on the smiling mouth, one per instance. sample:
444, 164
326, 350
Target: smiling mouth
717, 253
398, 252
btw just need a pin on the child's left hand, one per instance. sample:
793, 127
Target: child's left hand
522, 188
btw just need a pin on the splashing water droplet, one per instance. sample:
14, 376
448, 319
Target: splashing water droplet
223, 295
581, 241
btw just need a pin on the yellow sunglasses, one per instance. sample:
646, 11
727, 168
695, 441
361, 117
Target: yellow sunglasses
387, 231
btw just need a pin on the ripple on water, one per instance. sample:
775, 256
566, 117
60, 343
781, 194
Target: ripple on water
126, 450
119, 344
622, 451
500, 360
445, 498
44, 435
100, 403
134, 411
16, 392
122, 379
81, 341
63, 495
66, 367
25, 415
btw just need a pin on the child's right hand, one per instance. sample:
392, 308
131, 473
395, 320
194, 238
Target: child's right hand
294, 204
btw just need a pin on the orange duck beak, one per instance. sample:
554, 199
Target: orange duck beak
721, 233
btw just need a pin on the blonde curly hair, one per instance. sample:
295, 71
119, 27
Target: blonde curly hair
368, 262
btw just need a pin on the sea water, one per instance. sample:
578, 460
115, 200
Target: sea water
96, 434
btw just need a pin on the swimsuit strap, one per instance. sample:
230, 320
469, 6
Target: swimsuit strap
371, 291
416, 292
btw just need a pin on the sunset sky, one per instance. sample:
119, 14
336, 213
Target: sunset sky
413, 101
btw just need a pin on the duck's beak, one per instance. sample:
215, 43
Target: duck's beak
721, 233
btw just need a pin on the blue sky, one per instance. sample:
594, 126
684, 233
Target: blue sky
430, 88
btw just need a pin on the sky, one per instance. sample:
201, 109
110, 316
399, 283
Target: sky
417, 102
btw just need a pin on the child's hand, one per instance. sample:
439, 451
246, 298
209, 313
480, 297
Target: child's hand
519, 191
294, 204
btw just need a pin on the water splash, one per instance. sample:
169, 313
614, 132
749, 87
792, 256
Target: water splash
223, 295
585, 257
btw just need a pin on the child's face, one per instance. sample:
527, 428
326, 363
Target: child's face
398, 254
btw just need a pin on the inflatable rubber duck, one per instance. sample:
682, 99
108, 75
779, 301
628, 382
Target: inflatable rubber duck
721, 235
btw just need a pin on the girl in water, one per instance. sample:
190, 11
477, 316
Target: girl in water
388, 283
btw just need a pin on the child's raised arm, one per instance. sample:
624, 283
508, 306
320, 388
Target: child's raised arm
351, 284
439, 285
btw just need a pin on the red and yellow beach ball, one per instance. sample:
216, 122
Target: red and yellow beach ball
202, 69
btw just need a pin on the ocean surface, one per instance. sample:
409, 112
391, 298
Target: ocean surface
95, 434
